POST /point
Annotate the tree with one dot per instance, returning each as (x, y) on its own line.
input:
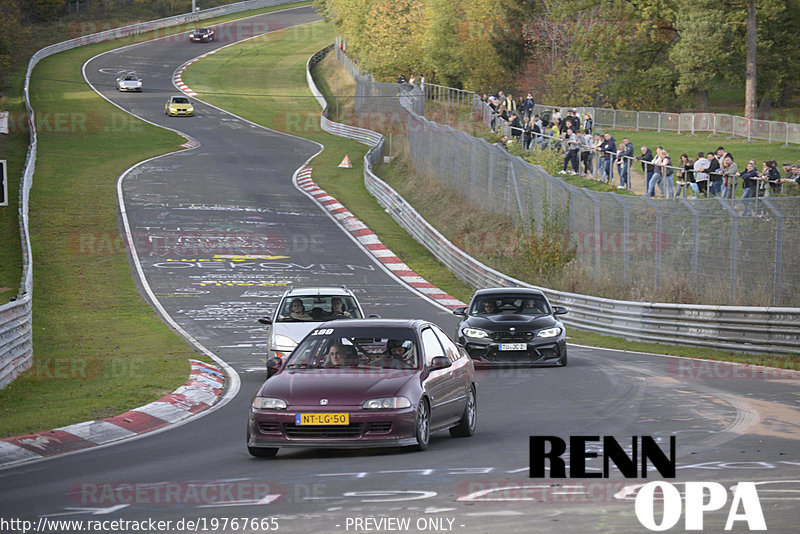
(750, 69)
(12, 34)
(45, 10)
(702, 46)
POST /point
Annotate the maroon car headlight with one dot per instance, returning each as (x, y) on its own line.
(268, 403)
(387, 403)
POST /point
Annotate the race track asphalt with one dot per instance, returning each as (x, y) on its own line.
(233, 195)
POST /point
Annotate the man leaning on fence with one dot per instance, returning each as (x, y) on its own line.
(700, 175)
(624, 156)
(609, 150)
(729, 174)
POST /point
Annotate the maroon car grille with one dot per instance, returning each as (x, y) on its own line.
(379, 428)
(353, 430)
(269, 427)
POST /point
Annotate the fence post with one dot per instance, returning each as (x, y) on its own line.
(734, 248)
(776, 282)
(695, 233)
(472, 174)
(513, 176)
(659, 226)
(490, 179)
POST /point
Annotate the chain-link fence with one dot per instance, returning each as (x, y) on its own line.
(739, 252)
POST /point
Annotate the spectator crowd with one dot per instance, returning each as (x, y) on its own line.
(710, 174)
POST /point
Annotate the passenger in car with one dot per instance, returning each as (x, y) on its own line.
(340, 355)
(298, 311)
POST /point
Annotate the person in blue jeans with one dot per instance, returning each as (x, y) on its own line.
(624, 157)
(609, 150)
(714, 175)
(657, 177)
(669, 174)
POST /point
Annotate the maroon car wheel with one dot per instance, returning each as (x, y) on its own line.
(423, 425)
(466, 426)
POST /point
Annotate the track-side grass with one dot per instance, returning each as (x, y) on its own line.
(99, 349)
(269, 75)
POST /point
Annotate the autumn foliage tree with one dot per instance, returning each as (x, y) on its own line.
(472, 44)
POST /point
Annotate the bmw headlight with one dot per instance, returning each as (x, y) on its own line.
(284, 341)
(549, 332)
(191, 35)
(387, 403)
(268, 403)
(474, 333)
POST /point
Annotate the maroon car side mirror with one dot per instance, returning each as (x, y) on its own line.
(439, 362)
(274, 365)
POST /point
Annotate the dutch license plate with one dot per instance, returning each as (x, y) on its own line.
(513, 346)
(322, 419)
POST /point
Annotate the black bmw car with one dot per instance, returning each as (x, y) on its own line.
(201, 35)
(512, 326)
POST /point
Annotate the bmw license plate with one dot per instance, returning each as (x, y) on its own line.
(513, 346)
(322, 419)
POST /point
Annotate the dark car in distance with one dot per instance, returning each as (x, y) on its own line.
(201, 35)
(361, 383)
(512, 326)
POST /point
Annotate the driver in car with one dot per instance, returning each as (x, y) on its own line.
(397, 356)
(489, 306)
(337, 309)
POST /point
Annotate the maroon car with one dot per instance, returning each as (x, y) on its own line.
(365, 383)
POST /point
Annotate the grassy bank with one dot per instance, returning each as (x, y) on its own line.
(99, 349)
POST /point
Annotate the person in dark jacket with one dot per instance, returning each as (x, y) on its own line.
(527, 106)
(515, 125)
(647, 169)
(749, 182)
(624, 158)
(714, 175)
(609, 149)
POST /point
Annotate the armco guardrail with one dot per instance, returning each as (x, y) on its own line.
(748, 329)
(16, 337)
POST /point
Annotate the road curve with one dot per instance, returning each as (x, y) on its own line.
(233, 195)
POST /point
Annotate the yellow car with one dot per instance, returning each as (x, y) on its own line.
(179, 106)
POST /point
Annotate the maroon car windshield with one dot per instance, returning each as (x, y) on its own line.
(365, 348)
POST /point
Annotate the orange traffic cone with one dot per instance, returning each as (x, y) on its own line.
(346, 163)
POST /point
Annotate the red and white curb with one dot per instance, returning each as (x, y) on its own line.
(201, 391)
(370, 241)
(177, 78)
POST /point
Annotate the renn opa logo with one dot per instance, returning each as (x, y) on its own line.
(700, 497)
